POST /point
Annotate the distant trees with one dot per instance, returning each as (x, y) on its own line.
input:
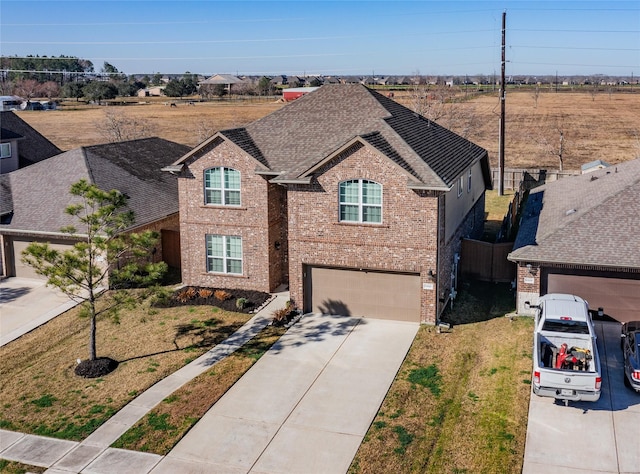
(98, 91)
(208, 91)
(186, 86)
(39, 67)
(73, 90)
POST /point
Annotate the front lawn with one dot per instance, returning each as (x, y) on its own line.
(40, 393)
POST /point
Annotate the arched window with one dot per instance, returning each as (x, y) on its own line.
(222, 186)
(360, 201)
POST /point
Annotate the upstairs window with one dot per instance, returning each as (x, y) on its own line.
(360, 201)
(224, 254)
(222, 186)
(469, 181)
(460, 185)
(5, 150)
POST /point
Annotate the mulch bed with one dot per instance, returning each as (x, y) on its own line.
(223, 298)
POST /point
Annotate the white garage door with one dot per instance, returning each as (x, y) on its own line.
(363, 293)
(619, 297)
(23, 270)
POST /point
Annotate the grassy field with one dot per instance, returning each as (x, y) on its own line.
(602, 126)
(459, 403)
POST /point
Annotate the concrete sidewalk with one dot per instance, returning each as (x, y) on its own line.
(63, 456)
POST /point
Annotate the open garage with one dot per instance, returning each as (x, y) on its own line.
(619, 297)
(355, 292)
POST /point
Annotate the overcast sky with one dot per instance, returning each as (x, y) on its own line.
(331, 38)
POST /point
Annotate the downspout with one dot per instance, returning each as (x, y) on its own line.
(438, 250)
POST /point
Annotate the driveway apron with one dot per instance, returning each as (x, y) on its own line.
(305, 406)
(588, 437)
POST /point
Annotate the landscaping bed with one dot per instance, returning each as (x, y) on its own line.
(243, 301)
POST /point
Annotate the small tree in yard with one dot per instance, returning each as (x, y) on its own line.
(102, 253)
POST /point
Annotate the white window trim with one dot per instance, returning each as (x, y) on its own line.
(222, 187)
(3, 147)
(469, 181)
(225, 258)
(360, 204)
(460, 185)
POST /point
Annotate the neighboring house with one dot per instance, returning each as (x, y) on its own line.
(225, 79)
(355, 201)
(20, 144)
(153, 91)
(34, 199)
(579, 235)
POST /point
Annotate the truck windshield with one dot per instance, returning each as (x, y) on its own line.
(573, 327)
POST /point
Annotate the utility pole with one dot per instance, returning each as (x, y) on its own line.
(502, 111)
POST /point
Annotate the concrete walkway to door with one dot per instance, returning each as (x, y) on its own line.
(305, 406)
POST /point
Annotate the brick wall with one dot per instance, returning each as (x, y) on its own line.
(528, 281)
(170, 222)
(406, 241)
(262, 267)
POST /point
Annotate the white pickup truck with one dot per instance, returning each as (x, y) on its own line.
(566, 365)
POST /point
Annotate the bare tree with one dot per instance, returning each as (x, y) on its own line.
(50, 89)
(118, 127)
(204, 130)
(27, 89)
(535, 94)
(551, 139)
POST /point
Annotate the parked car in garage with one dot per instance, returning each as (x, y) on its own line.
(630, 342)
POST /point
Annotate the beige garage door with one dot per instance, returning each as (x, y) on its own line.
(363, 293)
(26, 271)
(619, 297)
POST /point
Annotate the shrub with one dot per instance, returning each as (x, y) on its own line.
(205, 293)
(222, 295)
(241, 303)
(186, 295)
(280, 315)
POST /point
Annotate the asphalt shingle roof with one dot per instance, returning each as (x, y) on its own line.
(40, 193)
(591, 219)
(34, 147)
(302, 134)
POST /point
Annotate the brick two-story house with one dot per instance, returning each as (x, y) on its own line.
(352, 199)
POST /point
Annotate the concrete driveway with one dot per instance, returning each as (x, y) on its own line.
(600, 437)
(27, 303)
(305, 406)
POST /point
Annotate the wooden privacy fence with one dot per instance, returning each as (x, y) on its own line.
(525, 178)
(486, 261)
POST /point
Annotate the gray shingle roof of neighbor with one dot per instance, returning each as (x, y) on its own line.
(40, 193)
(34, 147)
(295, 138)
(590, 219)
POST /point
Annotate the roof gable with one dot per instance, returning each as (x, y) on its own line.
(299, 136)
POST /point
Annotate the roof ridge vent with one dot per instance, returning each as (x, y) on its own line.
(571, 211)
